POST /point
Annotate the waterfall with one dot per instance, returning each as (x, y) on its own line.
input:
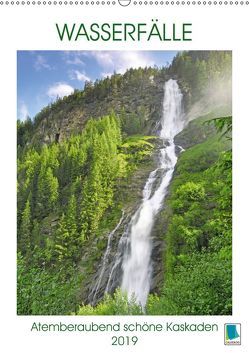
(104, 263)
(137, 268)
(131, 266)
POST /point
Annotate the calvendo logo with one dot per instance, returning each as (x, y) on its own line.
(232, 334)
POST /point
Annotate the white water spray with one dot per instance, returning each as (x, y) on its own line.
(136, 265)
(94, 292)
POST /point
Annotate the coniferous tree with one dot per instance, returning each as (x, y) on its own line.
(25, 231)
(61, 240)
(47, 192)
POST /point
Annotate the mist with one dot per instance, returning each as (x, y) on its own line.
(217, 95)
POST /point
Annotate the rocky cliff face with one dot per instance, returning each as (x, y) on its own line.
(142, 98)
(106, 273)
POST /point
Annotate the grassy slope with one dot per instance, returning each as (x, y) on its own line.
(197, 260)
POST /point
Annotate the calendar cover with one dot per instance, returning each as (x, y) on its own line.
(125, 182)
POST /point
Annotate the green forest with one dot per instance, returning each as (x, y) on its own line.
(84, 159)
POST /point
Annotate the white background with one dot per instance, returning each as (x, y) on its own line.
(33, 28)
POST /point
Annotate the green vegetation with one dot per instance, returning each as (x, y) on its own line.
(66, 199)
(198, 264)
(118, 304)
(76, 174)
(204, 74)
(197, 261)
(46, 291)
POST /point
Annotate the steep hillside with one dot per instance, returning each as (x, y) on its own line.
(195, 227)
(83, 166)
(136, 97)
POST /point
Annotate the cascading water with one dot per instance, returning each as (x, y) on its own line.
(104, 263)
(133, 255)
(136, 265)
